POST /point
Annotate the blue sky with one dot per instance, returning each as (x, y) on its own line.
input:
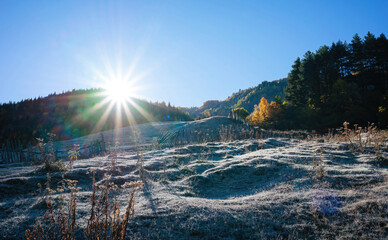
(183, 52)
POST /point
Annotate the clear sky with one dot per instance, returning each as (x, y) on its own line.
(183, 52)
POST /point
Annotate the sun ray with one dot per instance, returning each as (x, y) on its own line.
(120, 84)
(118, 120)
(129, 115)
(103, 118)
(145, 114)
(99, 105)
(80, 116)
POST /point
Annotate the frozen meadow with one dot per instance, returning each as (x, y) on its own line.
(276, 187)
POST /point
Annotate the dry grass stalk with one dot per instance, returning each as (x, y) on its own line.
(318, 168)
(105, 222)
(361, 139)
(139, 154)
(73, 155)
(48, 156)
(56, 224)
(113, 158)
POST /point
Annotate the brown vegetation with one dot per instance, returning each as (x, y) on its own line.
(105, 221)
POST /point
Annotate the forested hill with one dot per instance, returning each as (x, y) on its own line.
(247, 99)
(343, 82)
(74, 114)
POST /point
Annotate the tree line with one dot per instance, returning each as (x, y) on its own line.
(337, 83)
(74, 114)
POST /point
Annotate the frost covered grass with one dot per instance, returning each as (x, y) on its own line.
(105, 220)
(361, 139)
(272, 188)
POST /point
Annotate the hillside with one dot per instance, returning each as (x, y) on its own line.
(268, 188)
(337, 83)
(76, 113)
(247, 99)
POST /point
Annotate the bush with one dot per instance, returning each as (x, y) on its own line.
(242, 113)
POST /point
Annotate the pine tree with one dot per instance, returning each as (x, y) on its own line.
(357, 52)
(295, 86)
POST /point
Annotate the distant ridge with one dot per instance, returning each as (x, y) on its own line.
(247, 99)
(74, 114)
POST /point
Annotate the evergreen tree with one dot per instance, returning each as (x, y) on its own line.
(357, 53)
(338, 83)
(295, 86)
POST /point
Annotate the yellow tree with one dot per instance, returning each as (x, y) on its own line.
(273, 113)
(261, 112)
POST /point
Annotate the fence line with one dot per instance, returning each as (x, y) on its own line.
(13, 151)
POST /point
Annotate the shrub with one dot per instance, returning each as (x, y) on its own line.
(242, 113)
(48, 156)
(73, 155)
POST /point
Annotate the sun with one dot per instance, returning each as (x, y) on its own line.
(118, 91)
